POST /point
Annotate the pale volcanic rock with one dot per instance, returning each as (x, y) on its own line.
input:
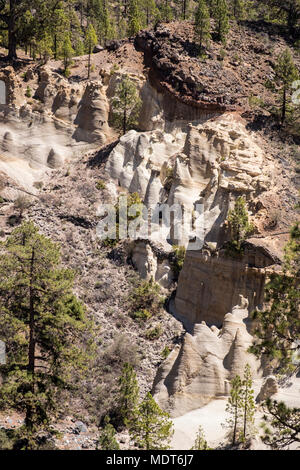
(268, 389)
(149, 264)
(207, 360)
(92, 116)
(61, 122)
(13, 87)
(209, 164)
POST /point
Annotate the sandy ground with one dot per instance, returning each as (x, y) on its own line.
(212, 416)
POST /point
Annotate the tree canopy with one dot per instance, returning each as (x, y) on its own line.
(43, 324)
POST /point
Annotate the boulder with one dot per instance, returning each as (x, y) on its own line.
(268, 389)
(80, 427)
(97, 49)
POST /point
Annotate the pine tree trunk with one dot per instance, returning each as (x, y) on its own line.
(245, 412)
(81, 13)
(125, 115)
(12, 40)
(235, 426)
(283, 114)
(291, 20)
(89, 62)
(31, 347)
(147, 433)
(12, 45)
(124, 120)
(55, 46)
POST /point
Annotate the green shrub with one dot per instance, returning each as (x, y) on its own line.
(165, 352)
(143, 315)
(239, 225)
(169, 179)
(100, 185)
(154, 333)
(114, 69)
(255, 102)
(145, 300)
(6, 439)
(132, 199)
(222, 54)
(38, 184)
(178, 259)
(28, 92)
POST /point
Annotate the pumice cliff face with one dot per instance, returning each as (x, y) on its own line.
(209, 163)
(58, 122)
(201, 368)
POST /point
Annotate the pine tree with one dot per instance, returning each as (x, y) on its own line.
(108, 25)
(43, 325)
(289, 9)
(281, 424)
(200, 442)
(166, 13)
(248, 401)
(45, 48)
(79, 48)
(90, 42)
(104, 21)
(150, 11)
(278, 326)
(202, 23)
(58, 26)
(238, 221)
(220, 15)
(151, 428)
(238, 9)
(68, 53)
(277, 335)
(12, 16)
(128, 393)
(125, 104)
(287, 73)
(234, 407)
(134, 18)
(184, 9)
(107, 439)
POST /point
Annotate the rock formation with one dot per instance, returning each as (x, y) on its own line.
(166, 54)
(200, 369)
(61, 121)
(268, 389)
(211, 283)
(151, 262)
(207, 164)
